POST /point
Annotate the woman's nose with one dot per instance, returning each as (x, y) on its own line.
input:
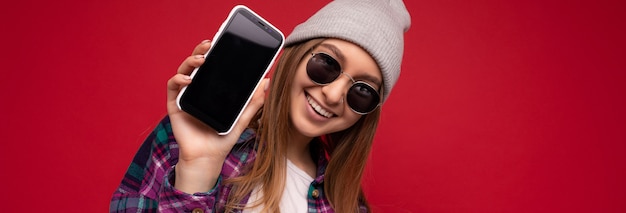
(335, 92)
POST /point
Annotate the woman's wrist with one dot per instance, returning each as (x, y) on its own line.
(198, 175)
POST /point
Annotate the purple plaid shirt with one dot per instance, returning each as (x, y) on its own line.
(148, 184)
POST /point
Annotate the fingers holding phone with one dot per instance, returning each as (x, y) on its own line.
(196, 59)
(182, 79)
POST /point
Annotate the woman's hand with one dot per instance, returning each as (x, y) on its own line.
(201, 150)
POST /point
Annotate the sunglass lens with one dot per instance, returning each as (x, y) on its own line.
(323, 68)
(362, 98)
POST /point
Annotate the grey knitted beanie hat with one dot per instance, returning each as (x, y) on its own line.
(377, 26)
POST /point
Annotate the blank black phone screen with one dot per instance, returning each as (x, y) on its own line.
(235, 64)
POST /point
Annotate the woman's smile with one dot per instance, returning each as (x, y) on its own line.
(318, 108)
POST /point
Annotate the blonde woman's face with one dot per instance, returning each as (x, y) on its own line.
(321, 109)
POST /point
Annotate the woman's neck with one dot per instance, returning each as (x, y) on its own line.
(299, 153)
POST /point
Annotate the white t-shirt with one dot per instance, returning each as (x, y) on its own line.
(294, 199)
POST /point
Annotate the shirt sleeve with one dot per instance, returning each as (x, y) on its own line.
(147, 185)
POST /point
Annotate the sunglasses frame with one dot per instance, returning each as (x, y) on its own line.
(354, 82)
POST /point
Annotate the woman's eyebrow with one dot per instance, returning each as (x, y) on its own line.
(335, 51)
(373, 80)
(342, 58)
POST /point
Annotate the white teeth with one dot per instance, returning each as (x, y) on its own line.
(318, 108)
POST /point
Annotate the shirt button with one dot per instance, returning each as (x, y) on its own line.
(315, 193)
(197, 210)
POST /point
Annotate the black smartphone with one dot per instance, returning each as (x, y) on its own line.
(242, 52)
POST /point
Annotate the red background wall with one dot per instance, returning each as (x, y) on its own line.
(503, 106)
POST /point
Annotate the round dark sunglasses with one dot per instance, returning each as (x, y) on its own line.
(323, 69)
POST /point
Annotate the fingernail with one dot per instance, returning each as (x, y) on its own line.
(186, 77)
(205, 41)
(198, 56)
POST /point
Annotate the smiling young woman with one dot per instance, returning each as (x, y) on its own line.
(303, 148)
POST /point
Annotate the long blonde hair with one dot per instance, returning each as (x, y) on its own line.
(348, 150)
